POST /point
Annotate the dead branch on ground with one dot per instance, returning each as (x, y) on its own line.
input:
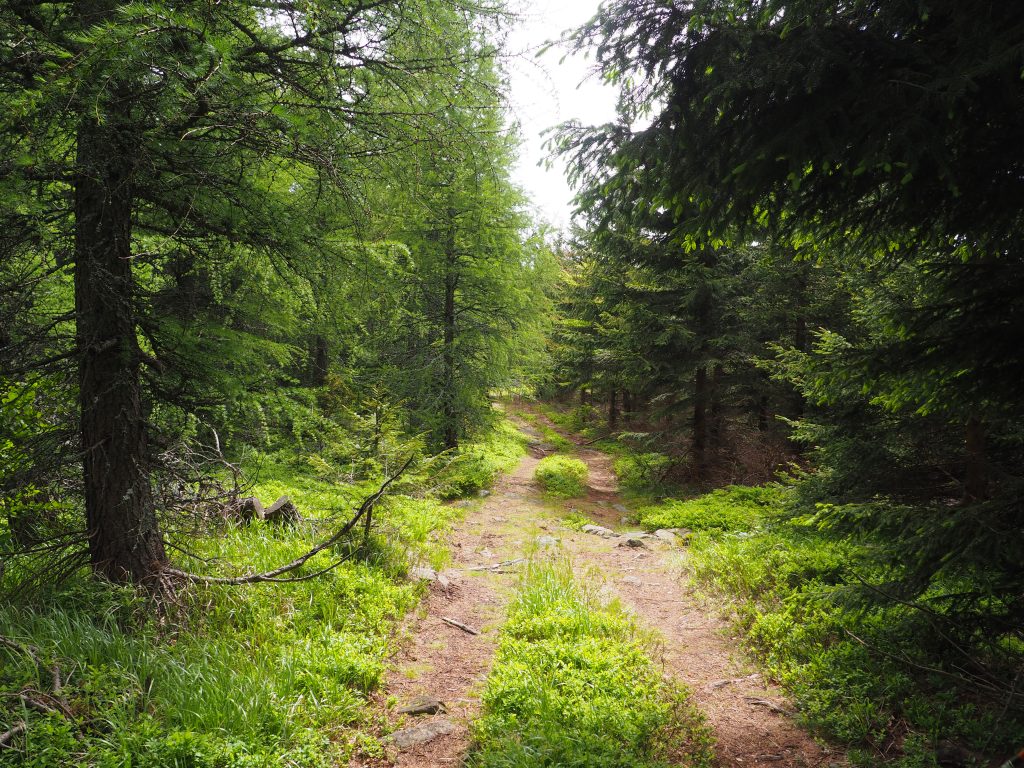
(274, 575)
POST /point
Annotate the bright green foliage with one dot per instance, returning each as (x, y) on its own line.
(575, 520)
(562, 476)
(733, 508)
(855, 671)
(550, 437)
(807, 201)
(321, 199)
(573, 686)
(641, 472)
(265, 675)
(476, 465)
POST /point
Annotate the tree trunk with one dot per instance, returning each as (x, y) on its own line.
(763, 414)
(613, 414)
(798, 403)
(449, 415)
(717, 430)
(125, 544)
(700, 421)
(318, 361)
(975, 464)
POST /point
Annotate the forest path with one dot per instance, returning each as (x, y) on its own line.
(748, 716)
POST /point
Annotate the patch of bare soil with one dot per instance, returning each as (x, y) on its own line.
(750, 717)
(442, 661)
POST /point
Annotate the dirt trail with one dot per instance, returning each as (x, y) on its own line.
(749, 718)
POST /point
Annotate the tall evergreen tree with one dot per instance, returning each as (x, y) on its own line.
(135, 135)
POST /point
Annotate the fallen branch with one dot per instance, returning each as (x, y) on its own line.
(15, 730)
(29, 650)
(769, 705)
(497, 566)
(460, 625)
(273, 576)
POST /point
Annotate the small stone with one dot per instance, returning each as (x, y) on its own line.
(666, 535)
(546, 541)
(633, 542)
(422, 705)
(422, 573)
(631, 580)
(483, 493)
(421, 734)
(598, 530)
(283, 512)
(620, 508)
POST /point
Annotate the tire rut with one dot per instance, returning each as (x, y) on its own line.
(748, 715)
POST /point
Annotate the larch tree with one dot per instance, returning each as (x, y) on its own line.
(134, 134)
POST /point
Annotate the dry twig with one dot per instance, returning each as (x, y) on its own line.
(459, 625)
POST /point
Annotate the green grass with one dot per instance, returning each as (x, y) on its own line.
(856, 670)
(584, 419)
(573, 685)
(478, 464)
(257, 676)
(733, 508)
(575, 520)
(547, 434)
(562, 476)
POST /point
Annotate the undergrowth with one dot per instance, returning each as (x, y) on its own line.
(562, 476)
(256, 676)
(550, 437)
(573, 685)
(733, 508)
(478, 464)
(875, 676)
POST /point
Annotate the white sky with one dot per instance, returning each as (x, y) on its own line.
(546, 91)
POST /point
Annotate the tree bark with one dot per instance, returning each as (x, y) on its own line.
(700, 421)
(318, 361)
(449, 415)
(125, 544)
(762, 413)
(717, 426)
(613, 409)
(798, 403)
(975, 463)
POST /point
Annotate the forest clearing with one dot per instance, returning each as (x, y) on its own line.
(326, 441)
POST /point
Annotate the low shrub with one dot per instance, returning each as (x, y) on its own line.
(641, 472)
(573, 685)
(478, 464)
(865, 673)
(733, 508)
(562, 476)
(262, 675)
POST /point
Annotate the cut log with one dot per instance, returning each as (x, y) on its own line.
(244, 510)
(282, 512)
